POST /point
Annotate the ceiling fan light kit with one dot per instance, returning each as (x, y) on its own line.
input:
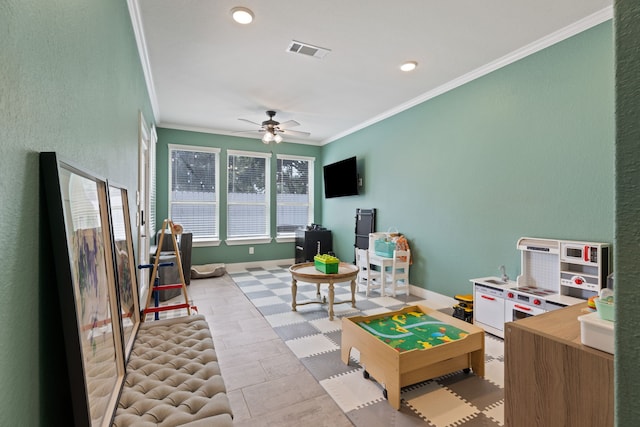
(242, 15)
(267, 137)
(273, 129)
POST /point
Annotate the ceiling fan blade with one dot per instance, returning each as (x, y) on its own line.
(253, 123)
(294, 132)
(289, 124)
(248, 131)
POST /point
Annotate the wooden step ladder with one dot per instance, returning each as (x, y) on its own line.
(167, 224)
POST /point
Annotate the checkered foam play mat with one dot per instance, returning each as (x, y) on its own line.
(457, 399)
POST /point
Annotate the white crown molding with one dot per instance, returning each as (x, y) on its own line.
(228, 133)
(549, 40)
(136, 22)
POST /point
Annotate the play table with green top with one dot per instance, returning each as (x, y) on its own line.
(411, 345)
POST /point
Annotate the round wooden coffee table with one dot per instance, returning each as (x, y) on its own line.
(306, 272)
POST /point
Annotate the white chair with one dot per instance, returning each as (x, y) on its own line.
(398, 277)
(366, 276)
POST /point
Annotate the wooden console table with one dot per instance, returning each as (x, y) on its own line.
(306, 272)
(551, 378)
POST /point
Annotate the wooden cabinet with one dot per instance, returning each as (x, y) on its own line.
(551, 379)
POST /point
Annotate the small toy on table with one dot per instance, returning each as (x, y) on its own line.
(326, 263)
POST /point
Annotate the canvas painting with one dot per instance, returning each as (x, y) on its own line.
(124, 265)
(82, 249)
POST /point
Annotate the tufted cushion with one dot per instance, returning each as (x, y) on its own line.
(173, 377)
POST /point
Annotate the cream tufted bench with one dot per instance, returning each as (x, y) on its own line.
(173, 378)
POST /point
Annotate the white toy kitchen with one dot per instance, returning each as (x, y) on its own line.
(554, 274)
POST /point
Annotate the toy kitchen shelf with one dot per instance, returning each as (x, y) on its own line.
(571, 268)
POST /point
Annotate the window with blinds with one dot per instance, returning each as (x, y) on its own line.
(193, 193)
(294, 186)
(247, 194)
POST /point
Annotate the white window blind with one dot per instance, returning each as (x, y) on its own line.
(294, 193)
(193, 192)
(247, 194)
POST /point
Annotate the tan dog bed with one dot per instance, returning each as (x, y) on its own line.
(207, 270)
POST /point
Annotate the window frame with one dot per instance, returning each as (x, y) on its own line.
(199, 241)
(289, 236)
(256, 239)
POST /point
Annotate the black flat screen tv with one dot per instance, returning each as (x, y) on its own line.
(341, 178)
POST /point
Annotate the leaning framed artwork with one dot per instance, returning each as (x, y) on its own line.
(77, 207)
(124, 264)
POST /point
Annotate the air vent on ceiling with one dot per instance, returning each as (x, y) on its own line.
(307, 49)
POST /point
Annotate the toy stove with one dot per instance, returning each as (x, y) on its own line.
(535, 291)
(540, 275)
(528, 296)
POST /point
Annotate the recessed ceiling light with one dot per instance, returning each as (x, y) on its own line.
(409, 66)
(242, 15)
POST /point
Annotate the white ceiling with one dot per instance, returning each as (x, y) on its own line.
(205, 71)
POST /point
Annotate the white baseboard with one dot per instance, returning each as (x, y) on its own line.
(239, 266)
(435, 299)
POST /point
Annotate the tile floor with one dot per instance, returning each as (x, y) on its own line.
(283, 368)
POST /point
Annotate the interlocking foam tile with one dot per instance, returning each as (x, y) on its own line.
(275, 309)
(326, 365)
(472, 389)
(373, 311)
(438, 405)
(308, 346)
(296, 330)
(325, 325)
(271, 281)
(457, 399)
(385, 301)
(254, 288)
(281, 291)
(493, 346)
(351, 391)
(286, 318)
(344, 310)
(496, 412)
(494, 372)
(271, 300)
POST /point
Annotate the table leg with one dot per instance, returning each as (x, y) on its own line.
(331, 294)
(294, 291)
(393, 394)
(318, 290)
(353, 293)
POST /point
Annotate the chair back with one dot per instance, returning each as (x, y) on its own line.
(362, 261)
(400, 270)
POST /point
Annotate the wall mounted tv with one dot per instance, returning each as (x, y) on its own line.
(341, 178)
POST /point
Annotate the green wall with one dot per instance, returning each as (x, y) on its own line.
(240, 253)
(71, 82)
(511, 154)
(627, 242)
(526, 150)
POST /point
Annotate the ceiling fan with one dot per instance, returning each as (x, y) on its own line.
(273, 129)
